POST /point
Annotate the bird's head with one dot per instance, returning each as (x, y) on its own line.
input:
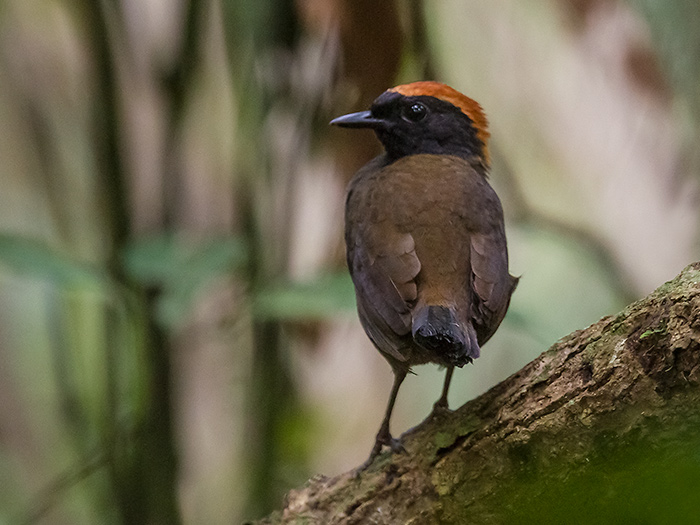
(425, 117)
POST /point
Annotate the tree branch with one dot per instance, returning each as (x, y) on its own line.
(602, 427)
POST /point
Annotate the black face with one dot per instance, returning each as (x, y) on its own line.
(422, 124)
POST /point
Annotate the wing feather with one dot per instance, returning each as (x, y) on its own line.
(491, 283)
(384, 266)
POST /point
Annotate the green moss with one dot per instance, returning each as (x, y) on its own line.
(692, 275)
(443, 439)
(661, 330)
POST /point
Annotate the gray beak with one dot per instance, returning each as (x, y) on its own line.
(361, 119)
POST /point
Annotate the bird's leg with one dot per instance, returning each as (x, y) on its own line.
(442, 404)
(384, 436)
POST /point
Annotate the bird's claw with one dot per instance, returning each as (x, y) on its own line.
(440, 408)
(396, 446)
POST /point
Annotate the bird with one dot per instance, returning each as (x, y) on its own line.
(425, 237)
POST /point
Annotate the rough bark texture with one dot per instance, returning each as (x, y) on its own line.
(603, 427)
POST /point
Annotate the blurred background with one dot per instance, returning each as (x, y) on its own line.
(178, 336)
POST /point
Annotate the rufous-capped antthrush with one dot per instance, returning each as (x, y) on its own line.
(426, 245)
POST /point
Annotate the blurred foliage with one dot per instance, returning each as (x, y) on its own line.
(173, 298)
(327, 295)
(31, 258)
(678, 44)
(179, 270)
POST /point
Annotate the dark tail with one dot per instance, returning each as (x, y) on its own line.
(436, 329)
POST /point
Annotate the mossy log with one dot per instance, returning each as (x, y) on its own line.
(604, 427)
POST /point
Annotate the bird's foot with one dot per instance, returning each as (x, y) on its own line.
(394, 445)
(440, 408)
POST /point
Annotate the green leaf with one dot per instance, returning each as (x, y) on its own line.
(180, 268)
(320, 298)
(153, 261)
(36, 259)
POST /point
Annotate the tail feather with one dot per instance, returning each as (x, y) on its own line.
(437, 329)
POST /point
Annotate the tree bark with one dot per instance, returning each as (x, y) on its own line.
(603, 427)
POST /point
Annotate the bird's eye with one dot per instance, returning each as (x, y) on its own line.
(415, 112)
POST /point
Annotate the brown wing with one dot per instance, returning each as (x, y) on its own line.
(383, 264)
(492, 283)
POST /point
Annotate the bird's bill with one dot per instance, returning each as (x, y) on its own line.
(361, 119)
